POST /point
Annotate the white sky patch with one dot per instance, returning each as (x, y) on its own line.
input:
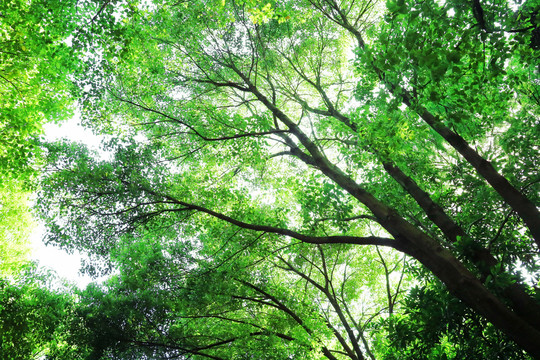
(73, 130)
(66, 265)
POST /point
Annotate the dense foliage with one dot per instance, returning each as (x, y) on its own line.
(34, 316)
(16, 225)
(303, 179)
(171, 300)
(35, 63)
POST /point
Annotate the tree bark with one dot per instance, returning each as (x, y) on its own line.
(517, 201)
(523, 304)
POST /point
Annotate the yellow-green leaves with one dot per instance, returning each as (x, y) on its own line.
(16, 226)
(34, 63)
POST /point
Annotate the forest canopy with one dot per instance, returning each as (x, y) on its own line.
(299, 179)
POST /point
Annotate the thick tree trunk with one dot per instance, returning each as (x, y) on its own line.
(517, 201)
(472, 292)
(458, 279)
(523, 304)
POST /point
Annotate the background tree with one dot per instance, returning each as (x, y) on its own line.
(269, 300)
(34, 313)
(257, 117)
(39, 48)
(33, 67)
(40, 43)
(35, 63)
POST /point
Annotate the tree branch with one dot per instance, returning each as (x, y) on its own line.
(336, 239)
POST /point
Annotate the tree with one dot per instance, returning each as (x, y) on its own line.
(269, 300)
(39, 50)
(35, 65)
(33, 316)
(42, 43)
(258, 118)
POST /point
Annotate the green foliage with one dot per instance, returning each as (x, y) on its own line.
(249, 159)
(33, 317)
(35, 64)
(171, 298)
(16, 226)
(434, 325)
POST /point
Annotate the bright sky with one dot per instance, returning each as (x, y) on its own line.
(66, 265)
